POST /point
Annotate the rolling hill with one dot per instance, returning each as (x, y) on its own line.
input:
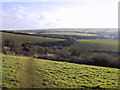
(27, 38)
(71, 33)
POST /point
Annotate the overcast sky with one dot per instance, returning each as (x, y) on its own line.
(80, 14)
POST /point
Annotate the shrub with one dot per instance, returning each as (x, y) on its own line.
(13, 45)
(80, 60)
(103, 60)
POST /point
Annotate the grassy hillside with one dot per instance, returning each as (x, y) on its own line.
(97, 44)
(71, 33)
(26, 72)
(27, 38)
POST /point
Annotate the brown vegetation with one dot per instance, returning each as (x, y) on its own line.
(55, 51)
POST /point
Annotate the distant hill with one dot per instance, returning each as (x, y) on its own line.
(102, 32)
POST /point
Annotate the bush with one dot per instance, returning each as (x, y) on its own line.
(79, 60)
(13, 45)
(29, 50)
(103, 60)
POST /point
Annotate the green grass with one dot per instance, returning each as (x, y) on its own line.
(27, 38)
(97, 44)
(26, 72)
(71, 33)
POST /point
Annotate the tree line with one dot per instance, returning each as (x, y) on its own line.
(55, 51)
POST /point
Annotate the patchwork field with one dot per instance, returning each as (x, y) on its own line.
(71, 33)
(27, 38)
(27, 72)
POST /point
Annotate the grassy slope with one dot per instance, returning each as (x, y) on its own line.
(97, 44)
(71, 33)
(100, 44)
(26, 38)
(26, 72)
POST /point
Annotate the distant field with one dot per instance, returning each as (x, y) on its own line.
(71, 33)
(26, 72)
(37, 30)
(27, 38)
(97, 44)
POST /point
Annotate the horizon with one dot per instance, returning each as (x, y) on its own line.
(57, 29)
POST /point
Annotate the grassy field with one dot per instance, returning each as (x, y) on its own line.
(26, 72)
(97, 44)
(27, 38)
(88, 44)
(71, 33)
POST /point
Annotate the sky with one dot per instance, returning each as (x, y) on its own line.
(62, 14)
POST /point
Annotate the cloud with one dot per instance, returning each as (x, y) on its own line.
(20, 18)
(75, 16)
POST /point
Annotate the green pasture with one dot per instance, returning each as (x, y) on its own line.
(27, 72)
(96, 44)
(27, 38)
